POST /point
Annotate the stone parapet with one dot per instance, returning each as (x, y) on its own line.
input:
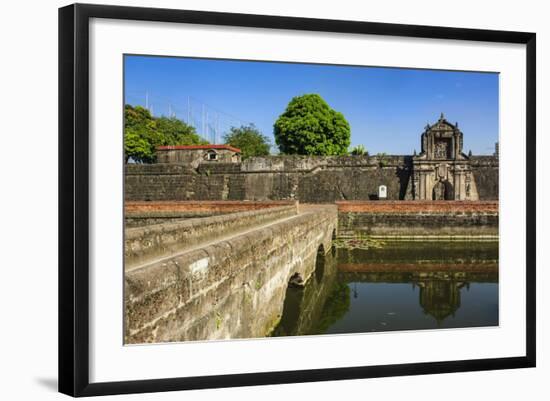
(231, 288)
(145, 244)
(131, 207)
(430, 207)
(419, 219)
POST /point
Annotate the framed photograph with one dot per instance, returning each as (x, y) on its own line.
(251, 199)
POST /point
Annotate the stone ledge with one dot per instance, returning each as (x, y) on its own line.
(185, 297)
(417, 206)
(200, 206)
(144, 244)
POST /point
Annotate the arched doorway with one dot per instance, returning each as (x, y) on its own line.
(443, 190)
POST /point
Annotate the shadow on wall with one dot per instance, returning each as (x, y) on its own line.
(403, 174)
(320, 262)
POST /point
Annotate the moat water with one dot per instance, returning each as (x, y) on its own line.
(399, 286)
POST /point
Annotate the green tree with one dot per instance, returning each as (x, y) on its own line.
(359, 150)
(249, 140)
(176, 132)
(141, 135)
(144, 132)
(309, 126)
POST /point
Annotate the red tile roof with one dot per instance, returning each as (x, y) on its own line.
(178, 147)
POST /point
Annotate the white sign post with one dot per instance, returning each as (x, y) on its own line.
(382, 192)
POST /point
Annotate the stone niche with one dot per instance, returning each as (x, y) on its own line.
(441, 171)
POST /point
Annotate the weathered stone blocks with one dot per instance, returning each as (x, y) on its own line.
(419, 218)
(144, 244)
(309, 179)
(233, 288)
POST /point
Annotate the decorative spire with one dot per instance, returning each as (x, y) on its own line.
(456, 124)
(442, 117)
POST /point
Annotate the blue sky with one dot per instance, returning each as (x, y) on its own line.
(387, 108)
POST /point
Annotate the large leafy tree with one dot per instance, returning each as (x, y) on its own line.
(249, 139)
(176, 132)
(309, 126)
(143, 133)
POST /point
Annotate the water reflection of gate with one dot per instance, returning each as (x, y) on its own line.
(318, 305)
(440, 298)
(439, 294)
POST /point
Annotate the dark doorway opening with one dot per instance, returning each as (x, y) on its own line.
(443, 190)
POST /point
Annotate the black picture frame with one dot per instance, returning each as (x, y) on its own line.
(74, 198)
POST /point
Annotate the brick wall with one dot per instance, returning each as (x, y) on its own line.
(202, 206)
(418, 218)
(414, 207)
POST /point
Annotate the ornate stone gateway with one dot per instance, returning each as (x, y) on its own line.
(441, 171)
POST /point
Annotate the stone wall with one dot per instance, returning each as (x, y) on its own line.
(408, 219)
(309, 179)
(485, 170)
(141, 213)
(194, 155)
(144, 244)
(172, 182)
(233, 288)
